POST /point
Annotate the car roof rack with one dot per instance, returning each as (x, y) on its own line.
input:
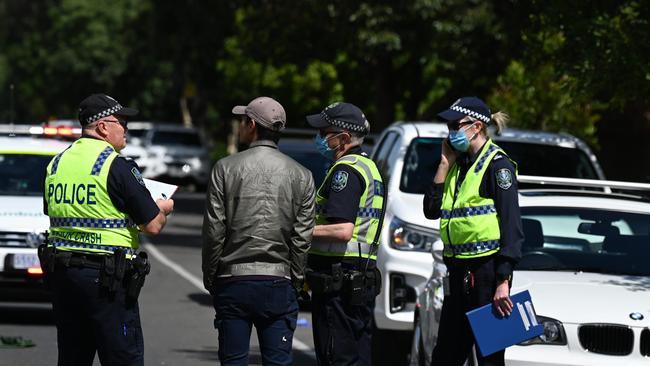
(606, 185)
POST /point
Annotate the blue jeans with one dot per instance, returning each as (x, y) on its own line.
(270, 305)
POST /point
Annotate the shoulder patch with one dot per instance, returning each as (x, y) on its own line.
(504, 178)
(497, 157)
(138, 176)
(339, 181)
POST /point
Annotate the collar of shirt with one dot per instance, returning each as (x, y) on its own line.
(466, 159)
(356, 150)
(268, 143)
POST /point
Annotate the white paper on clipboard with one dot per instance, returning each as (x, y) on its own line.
(159, 189)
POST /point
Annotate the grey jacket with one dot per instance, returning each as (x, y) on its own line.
(259, 216)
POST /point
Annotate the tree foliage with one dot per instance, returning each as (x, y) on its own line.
(553, 65)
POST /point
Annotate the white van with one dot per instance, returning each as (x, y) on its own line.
(407, 156)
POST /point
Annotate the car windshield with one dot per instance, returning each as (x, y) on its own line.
(176, 138)
(22, 174)
(304, 152)
(549, 160)
(588, 240)
(423, 156)
(139, 133)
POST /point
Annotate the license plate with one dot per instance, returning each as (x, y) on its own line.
(25, 260)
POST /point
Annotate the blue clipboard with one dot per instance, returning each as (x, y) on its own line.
(494, 333)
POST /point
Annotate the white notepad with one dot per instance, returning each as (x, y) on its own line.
(159, 189)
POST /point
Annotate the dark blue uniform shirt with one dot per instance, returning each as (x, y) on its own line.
(127, 193)
(506, 202)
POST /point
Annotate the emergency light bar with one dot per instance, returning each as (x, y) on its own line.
(605, 184)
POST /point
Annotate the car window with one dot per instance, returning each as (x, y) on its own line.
(589, 240)
(175, 138)
(383, 149)
(22, 174)
(549, 161)
(420, 164)
(136, 133)
(305, 153)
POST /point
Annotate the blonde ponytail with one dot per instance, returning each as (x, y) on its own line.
(500, 120)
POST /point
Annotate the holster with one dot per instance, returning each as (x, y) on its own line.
(140, 269)
(46, 255)
(324, 283)
(111, 275)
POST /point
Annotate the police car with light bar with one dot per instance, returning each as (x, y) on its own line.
(22, 223)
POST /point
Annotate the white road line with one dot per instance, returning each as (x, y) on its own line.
(151, 249)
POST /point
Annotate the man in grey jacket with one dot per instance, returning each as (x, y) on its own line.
(257, 229)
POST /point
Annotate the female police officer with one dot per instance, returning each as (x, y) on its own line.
(474, 193)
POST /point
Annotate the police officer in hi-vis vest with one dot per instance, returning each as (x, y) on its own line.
(341, 272)
(474, 193)
(98, 204)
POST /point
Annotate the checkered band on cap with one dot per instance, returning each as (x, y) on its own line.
(344, 125)
(470, 113)
(104, 113)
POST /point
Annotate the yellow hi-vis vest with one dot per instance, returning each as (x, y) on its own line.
(366, 224)
(469, 226)
(82, 216)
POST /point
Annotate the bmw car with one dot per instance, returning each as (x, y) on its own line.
(586, 265)
(22, 223)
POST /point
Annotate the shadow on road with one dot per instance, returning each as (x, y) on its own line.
(186, 240)
(26, 315)
(201, 298)
(254, 357)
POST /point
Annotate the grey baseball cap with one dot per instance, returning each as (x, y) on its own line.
(265, 111)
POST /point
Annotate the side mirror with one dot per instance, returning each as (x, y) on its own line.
(436, 249)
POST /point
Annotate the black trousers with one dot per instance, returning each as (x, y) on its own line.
(89, 320)
(455, 338)
(342, 332)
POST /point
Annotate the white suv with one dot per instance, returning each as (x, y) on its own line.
(407, 155)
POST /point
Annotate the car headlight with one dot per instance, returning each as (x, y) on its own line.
(35, 239)
(410, 237)
(553, 333)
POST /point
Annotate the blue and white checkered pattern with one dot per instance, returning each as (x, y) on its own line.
(101, 159)
(90, 222)
(105, 113)
(379, 188)
(471, 248)
(485, 155)
(55, 163)
(60, 243)
(471, 113)
(468, 211)
(345, 125)
(369, 212)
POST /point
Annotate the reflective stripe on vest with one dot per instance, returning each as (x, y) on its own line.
(366, 224)
(80, 209)
(87, 222)
(75, 246)
(469, 226)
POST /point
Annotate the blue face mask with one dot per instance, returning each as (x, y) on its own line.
(323, 148)
(458, 140)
